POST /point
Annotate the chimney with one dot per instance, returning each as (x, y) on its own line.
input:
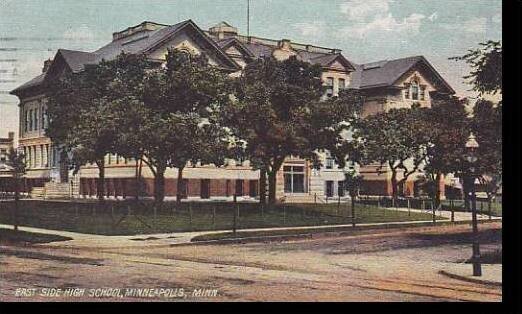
(223, 30)
(285, 44)
(47, 65)
(10, 135)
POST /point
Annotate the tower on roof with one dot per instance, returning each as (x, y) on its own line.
(223, 30)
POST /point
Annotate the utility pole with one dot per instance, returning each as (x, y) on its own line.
(248, 18)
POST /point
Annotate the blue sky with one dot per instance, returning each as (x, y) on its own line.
(366, 30)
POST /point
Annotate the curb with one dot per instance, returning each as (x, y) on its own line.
(317, 232)
(473, 280)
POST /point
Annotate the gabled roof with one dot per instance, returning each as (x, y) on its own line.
(32, 83)
(224, 44)
(386, 73)
(327, 60)
(144, 41)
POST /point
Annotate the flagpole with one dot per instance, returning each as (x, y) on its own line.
(248, 18)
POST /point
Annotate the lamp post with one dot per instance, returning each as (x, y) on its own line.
(471, 158)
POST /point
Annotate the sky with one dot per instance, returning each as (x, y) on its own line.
(31, 31)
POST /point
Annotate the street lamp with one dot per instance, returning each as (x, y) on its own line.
(471, 158)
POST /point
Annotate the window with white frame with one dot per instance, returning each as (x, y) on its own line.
(329, 86)
(414, 90)
(342, 84)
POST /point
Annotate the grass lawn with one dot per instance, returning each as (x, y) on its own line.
(127, 218)
(9, 236)
(482, 207)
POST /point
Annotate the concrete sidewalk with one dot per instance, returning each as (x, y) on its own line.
(491, 273)
(164, 239)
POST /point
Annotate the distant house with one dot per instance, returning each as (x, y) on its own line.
(388, 84)
(6, 144)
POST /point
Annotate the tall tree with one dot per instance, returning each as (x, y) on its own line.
(278, 113)
(486, 124)
(177, 108)
(396, 140)
(486, 67)
(16, 163)
(81, 117)
(447, 125)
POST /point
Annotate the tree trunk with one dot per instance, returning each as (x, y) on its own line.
(394, 184)
(262, 186)
(16, 205)
(180, 186)
(272, 181)
(465, 192)
(159, 185)
(137, 182)
(100, 188)
(436, 189)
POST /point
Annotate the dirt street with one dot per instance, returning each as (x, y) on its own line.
(385, 266)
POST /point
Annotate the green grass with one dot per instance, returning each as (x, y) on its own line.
(482, 207)
(9, 236)
(115, 218)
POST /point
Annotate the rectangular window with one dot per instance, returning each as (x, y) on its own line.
(3, 155)
(423, 93)
(253, 188)
(239, 187)
(42, 161)
(329, 86)
(407, 91)
(415, 92)
(30, 119)
(342, 84)
(29, 157)
(205, 189)
(227, 188)
(329, 188)
(294, 178)
(44, 120)
(35, 119)
(341, 189)
(329, 163)
(26, 121)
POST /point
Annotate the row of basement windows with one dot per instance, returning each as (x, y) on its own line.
(238, 189)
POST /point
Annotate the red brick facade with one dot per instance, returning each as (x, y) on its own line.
(126, 187)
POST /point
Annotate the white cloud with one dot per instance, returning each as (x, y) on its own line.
(370, 17)
(474, 25)
(80, 34)
(313, 30)
(497, 18)
(433, 17)
(361, 10)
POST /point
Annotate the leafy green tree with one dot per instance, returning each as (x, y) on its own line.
(173, 122)
(487, 127)
(396, 140)
(81, 117)
(447, 125)
(16, 163)
(279, 113)
(486, 67)
(93, 138)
